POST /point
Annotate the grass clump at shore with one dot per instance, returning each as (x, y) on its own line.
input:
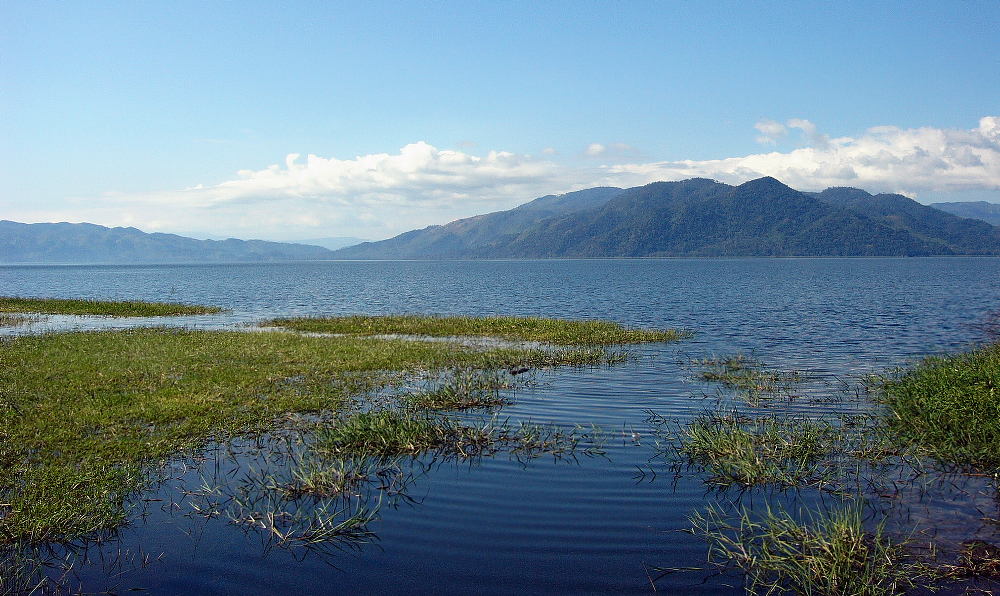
(949, 408)
(829, 553)
(552, 331)
(9, 320)
(63, 306)
(740, 450)
(83, 415)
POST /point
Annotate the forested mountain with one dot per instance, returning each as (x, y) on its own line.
(89, 243)
(700, 217)
(461, 238)
(988, 212)
(696, 217)
(950, 234)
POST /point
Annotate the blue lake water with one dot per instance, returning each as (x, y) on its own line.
(593, 524)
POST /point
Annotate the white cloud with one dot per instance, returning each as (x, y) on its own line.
(770, 131)
(611, 150)
(367, 196)
(884, 158)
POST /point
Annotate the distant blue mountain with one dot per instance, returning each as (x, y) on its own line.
(697, 217)
(981, 210)
(89, 243)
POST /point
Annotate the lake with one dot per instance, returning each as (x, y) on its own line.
(593, 523)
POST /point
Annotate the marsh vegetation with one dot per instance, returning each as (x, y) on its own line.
(129, 308)
(9, 320)
(549, 331)
(916, 435)
(948, 407)
(86, 418)
(802, 500)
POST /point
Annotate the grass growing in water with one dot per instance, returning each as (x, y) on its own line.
(465, 389)
(746, 451)
(552, 331)
(830, 553)
(949, 407)
(748, 375)
(8, 320)
(82, 415)
(62, 306)
(391, 432)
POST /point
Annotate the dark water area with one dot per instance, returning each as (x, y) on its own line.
(577, 525)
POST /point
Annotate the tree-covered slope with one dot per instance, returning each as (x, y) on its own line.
(704, 218)
(950, 233)
(461, 238)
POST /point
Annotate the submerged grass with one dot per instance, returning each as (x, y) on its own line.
(62, 306)
(83, 415)
(824, 553)
(552, 331)
(949, 408)
(748, 375)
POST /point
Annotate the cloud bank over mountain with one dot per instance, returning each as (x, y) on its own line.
(885, 158)
(378, 195)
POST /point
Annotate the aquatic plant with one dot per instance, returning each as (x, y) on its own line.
(748, 451)
(131, 308)
(829, 553)
(552, 331)
(949, 408)
(395, 432)
(8, 320)
(463, 389)
(756, 382)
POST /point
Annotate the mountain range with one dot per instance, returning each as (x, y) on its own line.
(89, 243)
(697, 217)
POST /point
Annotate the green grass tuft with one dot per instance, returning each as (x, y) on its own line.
(552, 331)
(62, 306)
(392, 432)
(465, 389)
(747, 375)
(746, 451)
(949, 407)
(830, 553)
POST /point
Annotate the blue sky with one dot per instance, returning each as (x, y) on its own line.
(181, 116)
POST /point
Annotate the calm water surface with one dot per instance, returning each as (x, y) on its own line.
(498, 525)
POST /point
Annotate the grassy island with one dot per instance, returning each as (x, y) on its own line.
(552, 331)
(63, 306)
(85, 415)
